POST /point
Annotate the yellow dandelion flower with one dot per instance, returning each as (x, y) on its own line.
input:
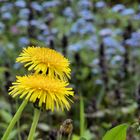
(45, 60)
(49, 93)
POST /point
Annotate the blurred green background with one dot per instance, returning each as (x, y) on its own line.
(102, 41)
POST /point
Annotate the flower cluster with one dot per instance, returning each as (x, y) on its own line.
(48, 85)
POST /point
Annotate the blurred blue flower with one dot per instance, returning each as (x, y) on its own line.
(84, 4)
(75, 47)
(50, 4)
(92, 43)
(131, 42)
(135, 53)
(100, 4)
(36, 6)
(22, 23)
(136, 35)
(112, 45)
(134, 41)
(82, 27)
(41, 37)
(96, 71)
(2, 49)
(49, 17)
(39, 24)
(87, 29)
(128, 11)
(86, 14)
(139, 7)
(109, 52)
(43, 26)
(116, 59)
(118, 31)
(95, 61)
(6, 15)
(111, 21)
(113, 51)
(10, 46)
(68, 12)
(2, 27)
(99, 82)
(16, 66)
(54, 31)
(105, 32)
(34, 22)
(20, 3)
(46, 39)
(136, 17)
(118, 8)
(111, 42)
(23, 41)
(46, 32)
(24, 13)
(6, 7)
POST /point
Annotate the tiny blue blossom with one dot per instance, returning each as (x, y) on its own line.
(84, 4)
(68, 12)
(128, 11)
(118, 8)
(23, 41)
(24, 13)
(36, 6)
(105, 32)
(100, 4)
(2, 27)
(7, 15)
(75, 47)
(20, 3)
(50, 4)
(86, 14)
(22, 23)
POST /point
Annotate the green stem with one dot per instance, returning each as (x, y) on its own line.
(82, 116)
(100, 97)
(18, 128)
(14, 120)
(18, 122)
(34, 124)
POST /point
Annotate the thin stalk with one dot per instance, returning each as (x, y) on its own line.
(14, 120)
(100, 96)
(34, 124)
(18, 128)
(18, 121)
(82, 117)
(59, 136)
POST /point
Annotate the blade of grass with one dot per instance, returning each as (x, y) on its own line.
(82, 117)
(100, 97)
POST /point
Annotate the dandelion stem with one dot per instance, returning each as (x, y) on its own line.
(34, 124)
(14, 120)
(18, 122)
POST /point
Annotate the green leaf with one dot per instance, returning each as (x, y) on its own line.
(88, 135)
(6, 116)
(83, 138)
(75, 137)
(116, 133)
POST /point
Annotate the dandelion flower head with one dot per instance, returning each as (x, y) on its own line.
(50, 93)
(45, 60)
